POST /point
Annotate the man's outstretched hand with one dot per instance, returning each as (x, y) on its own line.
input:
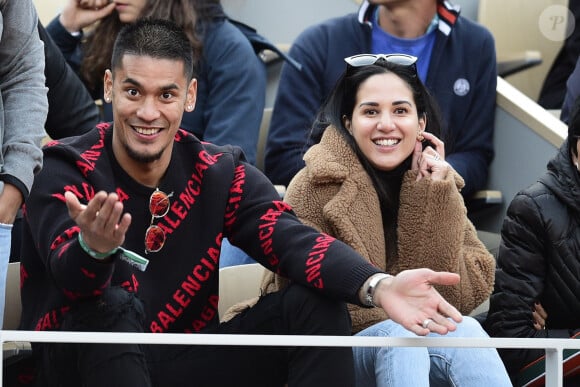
(410, 299)
(102, 222)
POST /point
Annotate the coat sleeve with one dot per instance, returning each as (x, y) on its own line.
(434, 232)
(269, 231)
(473, 136)
(298, 99)
(24, 101)
(236, 78)
(308, 203)
(54, 232)
(73, 111)
(69, 45)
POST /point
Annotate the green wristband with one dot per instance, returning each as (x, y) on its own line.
(93, 253)
(126, 255)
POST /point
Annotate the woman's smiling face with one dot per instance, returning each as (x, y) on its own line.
(385, 122)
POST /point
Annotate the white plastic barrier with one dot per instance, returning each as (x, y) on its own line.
(554, 347)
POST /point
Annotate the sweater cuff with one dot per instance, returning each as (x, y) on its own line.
(59, 33)
(9, 179)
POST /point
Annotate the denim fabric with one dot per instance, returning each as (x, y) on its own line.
(232, 256)
(418, 366)
(5, 243)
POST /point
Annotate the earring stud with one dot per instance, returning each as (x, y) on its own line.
(420, 136)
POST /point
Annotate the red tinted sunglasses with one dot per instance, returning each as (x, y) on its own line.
(158, 207)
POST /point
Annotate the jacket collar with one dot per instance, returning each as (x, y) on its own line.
(447, 12)
(332, 160)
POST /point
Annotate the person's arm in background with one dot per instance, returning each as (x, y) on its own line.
(236, 78)
(299, 96)
(71, 111)
(471, 150)
(72, 20)
(24, 104)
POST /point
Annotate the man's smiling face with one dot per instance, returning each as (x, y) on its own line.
(149, 96)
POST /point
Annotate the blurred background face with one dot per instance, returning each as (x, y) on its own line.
(384, 121)
(130, 10)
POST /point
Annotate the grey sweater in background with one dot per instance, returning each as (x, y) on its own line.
(24, 105)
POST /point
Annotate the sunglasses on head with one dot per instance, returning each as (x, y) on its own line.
(370, 59)
(158, 207)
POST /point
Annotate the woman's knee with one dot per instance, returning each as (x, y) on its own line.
(469, 327)
(386, 328)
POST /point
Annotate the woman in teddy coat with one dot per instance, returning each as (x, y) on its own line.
(377, 180)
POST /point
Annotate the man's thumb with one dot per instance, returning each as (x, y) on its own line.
(72, 203)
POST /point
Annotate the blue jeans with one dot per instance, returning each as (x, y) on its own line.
(418, 366)
(5, 243)
(232, 256)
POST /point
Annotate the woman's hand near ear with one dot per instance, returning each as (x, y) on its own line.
(430, 162)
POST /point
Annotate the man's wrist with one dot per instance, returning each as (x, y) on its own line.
(93, 253)
(369, 288)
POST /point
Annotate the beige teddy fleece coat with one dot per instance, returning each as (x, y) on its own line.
(334, 194)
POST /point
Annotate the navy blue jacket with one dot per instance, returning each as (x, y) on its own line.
(231, 88)
(462, 50)
(71, 110)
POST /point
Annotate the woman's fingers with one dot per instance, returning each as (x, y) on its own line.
(438, 145)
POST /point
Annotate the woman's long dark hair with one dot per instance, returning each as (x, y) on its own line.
(188, 14)
(341, 103)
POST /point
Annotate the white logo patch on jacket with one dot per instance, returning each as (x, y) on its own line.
(461, 87)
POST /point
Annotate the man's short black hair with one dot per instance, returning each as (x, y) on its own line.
(156, 38)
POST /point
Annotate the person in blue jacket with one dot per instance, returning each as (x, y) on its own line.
(232, 78)
(456, 61)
